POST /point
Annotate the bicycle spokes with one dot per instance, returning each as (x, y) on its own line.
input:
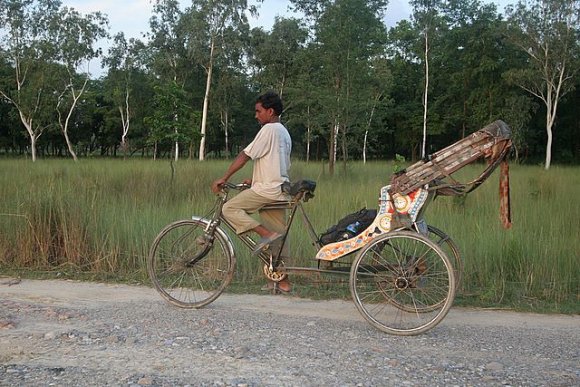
(188, 266)
(402, 283)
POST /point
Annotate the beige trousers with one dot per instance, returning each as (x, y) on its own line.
(237, 212)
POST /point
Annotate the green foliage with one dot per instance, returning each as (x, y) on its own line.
(398, 165)
(276, 55)
(547, 33)
(173, 118)
(349, 35)
(99, 217)
(352, 88)
(38, 38)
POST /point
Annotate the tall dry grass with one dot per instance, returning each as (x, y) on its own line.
(100, 216)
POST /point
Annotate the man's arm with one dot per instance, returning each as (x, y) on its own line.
(241, 159)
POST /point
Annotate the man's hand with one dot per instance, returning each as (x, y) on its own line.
(216, 185)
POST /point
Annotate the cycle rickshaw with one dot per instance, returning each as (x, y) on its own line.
(403, 273)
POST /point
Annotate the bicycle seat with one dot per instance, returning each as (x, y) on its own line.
(301, 186)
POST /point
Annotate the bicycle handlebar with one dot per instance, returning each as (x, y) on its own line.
(240, 187)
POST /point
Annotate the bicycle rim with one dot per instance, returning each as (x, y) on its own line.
(402, 283)
(189, 268)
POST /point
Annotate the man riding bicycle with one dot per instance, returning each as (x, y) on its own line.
(270, 151)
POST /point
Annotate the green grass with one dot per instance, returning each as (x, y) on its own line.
(96, 219)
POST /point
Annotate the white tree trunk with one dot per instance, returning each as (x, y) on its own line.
(34, 134)
(206, 102)
(335, 139)
(176, 148)
(553, 95)
(365, 146)
(424, 145)
(308, 135)
(70, 147)
(333, 143)
(64, 125)
(375, 102)
(33, 138)
(551, 100)
(225, 118)
(125, 120)
(548, 147)
(26, 121)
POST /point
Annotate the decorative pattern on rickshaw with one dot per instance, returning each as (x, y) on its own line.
(405, 204)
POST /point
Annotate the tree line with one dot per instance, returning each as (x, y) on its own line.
(353, 88)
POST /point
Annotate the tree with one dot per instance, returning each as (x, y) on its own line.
(405, 114)
(227, 100)
(304, 113)
(11, 139)
(39, 38)
(74, 38)
(169, 59)
(348, 34)
(547, 31)
(275, 54)
(216, 25)
(426, 16)
(123, 62)
(469, 53)
(27, 44)
(472, 54)
(170, 102)
(379, 86)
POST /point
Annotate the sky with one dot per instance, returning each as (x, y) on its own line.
(132, 16)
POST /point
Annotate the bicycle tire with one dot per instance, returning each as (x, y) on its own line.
(402, 283)
(450, 248)
(189, 267)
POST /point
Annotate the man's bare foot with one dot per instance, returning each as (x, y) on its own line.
(283, 286)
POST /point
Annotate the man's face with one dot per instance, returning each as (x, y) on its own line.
(263, 115)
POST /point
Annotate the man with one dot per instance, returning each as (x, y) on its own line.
(270, 151)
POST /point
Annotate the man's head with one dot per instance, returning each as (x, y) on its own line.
(268, 108)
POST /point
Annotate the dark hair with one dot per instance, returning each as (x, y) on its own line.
(272, 100)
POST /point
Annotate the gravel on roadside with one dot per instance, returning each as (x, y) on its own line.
(125, 335)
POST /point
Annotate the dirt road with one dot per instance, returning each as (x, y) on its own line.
(74, 333)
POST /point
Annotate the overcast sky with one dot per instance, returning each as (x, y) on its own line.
(132, 16)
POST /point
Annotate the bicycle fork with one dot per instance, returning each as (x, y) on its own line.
(205, 241)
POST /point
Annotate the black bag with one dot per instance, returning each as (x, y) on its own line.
(349, 226)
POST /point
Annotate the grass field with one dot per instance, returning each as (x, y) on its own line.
(97, 218)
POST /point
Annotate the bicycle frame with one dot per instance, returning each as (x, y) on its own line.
(191, 262)
(294, 205)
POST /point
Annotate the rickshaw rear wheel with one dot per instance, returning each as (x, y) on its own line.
(402, 283)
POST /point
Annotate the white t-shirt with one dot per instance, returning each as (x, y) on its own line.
(270, 151)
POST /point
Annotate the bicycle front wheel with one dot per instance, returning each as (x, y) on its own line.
(189, 267)
(402, 283)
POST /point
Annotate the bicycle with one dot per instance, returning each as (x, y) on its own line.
(403, 273)
(401, 281)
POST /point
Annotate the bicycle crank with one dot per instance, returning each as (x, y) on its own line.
(275, 275)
